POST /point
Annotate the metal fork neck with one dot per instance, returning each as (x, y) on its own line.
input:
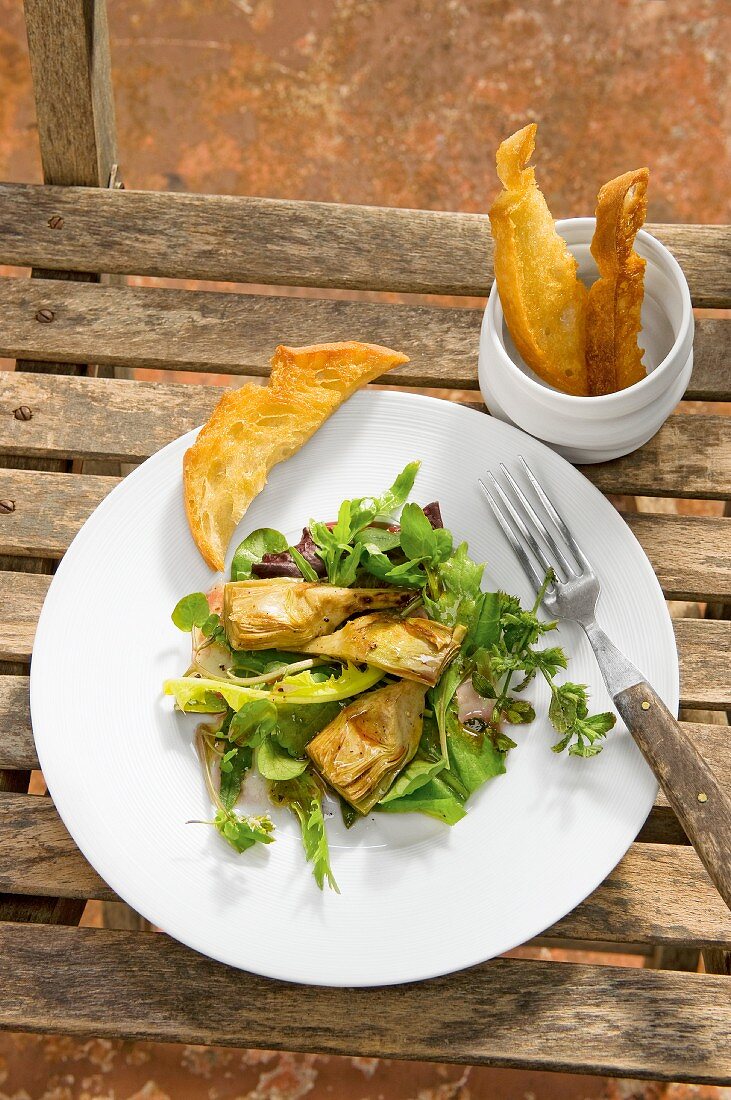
(619, 673)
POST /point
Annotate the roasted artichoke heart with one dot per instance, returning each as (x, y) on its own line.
(363, 749)
(414, 648)
(283, 613)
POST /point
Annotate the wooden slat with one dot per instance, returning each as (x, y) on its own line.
(227, 333)
(539, 1015)
(704, 649)
(275, 241)
(711, 379)
(48, 510)
(657, 894)
(68, 43)
(689, 553)
(113, 419)
(237, 333)
(17, 747)
(689, 457)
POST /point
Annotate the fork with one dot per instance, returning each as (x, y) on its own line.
(701, 804)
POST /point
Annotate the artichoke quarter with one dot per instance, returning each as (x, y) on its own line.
(283, 613)
(361, 751)
(414, 648)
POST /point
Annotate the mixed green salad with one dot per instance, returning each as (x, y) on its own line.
(365, 662)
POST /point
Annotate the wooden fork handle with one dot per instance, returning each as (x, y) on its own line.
(700, 802)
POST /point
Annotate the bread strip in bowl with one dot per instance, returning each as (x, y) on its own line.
(613, 355)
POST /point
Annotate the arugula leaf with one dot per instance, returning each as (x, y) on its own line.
(407, 574)
(253, 722)
(303, 565)
(192, 610)
(442, 695)
(394, 497)
(435, 798)
(304, 797)
(379, 540)
(234, 765)
(275, 763)
(338, 546)
(484, 625)
(265, 540)
(243, 832)
(296, 726)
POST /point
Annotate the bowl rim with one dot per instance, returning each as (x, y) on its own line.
(494, 312)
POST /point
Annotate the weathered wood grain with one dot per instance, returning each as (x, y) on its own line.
(704, 649)
(690, 554)
(48, 509)
(687, 552)
(657, 894)
(128, 421)
(17, 747)
(21, 597)
(689, 457)
(275, 241)
(228, 333)
(68, 43)
(615, 1020)
(236, 333)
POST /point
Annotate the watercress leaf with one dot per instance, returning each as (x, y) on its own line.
(192, 610)
(434, 798)
(243, 832)
(418, 537)
(303, 565)
(232, 777)
(253, 722)
(394, 497)
(265, 540)
(274, 762)
(416, 774)
(212, 625)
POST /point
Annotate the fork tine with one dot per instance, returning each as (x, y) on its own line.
(557, 519)
(517, 546)
(550, 541)
(519, 523)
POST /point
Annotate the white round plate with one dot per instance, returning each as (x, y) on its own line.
(417, 898)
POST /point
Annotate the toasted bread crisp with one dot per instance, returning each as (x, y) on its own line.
(543, 300)
(613, 356)
(253, 428)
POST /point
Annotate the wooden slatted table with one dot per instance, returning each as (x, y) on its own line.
(657, 1023)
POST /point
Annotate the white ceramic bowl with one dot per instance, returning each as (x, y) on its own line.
(595, 429)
